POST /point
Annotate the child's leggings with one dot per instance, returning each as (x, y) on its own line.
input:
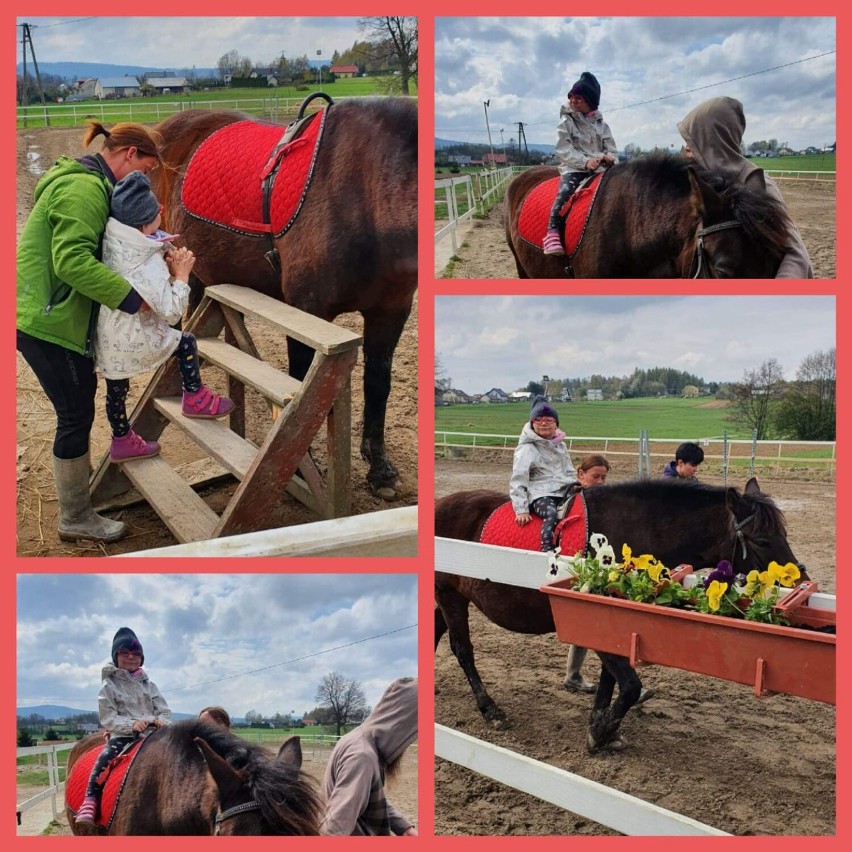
(568, 183)
(545, 508)
(113, 748)
(117, 389)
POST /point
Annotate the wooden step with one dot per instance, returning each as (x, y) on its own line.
(187, 516)
(213, 436)
(325, 337)
(275, 386)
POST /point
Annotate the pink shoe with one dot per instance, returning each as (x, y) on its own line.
(88, 811)
(131, 446)
(206, 405)
(552, 243)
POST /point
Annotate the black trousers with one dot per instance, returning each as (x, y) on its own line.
(70, 383)
(112, 749)
(568, 184)
(546, 509)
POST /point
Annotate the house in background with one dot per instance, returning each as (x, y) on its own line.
(497, 395)
(110, 88)
(594, 395)
(344, 70)
(168, 85)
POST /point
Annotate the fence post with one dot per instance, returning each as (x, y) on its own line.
(753, 465)
(725, 457)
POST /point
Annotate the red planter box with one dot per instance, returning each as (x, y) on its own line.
(766, 656)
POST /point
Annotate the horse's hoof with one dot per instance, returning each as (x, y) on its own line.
(385, 493)
(644, 695)
(593, 745)
(578, 685)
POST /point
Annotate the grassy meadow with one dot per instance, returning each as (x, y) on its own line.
(664, 417)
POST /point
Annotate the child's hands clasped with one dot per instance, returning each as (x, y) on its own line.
(180, 261)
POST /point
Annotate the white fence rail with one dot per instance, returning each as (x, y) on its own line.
(574, 793)
(793, 174)
(390, 532)
(55, 786)
(605, 805)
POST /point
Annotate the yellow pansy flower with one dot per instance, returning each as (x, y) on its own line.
(714, 594)
(786, 575)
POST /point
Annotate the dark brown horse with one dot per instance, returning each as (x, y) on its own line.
(659, 217)
(679, 523)
(197, 778)
(353, 247)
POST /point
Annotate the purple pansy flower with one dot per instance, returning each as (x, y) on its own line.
(723, 572)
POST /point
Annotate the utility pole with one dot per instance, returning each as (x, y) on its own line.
(27, 39)
(487, 104)
(522, 135)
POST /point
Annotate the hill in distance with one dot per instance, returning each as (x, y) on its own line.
(57, 711)
(533, 146)
(77, 70)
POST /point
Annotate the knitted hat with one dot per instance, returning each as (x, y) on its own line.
(542, 408)
(589, 88)
(132, 201)
(126, 638)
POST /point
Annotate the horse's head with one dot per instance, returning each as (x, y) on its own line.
(742, 232)
(760, 534)
(261, 795)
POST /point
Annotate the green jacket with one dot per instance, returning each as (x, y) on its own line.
(61, 281)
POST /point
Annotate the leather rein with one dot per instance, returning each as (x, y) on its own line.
(699, 264)
(231, 812)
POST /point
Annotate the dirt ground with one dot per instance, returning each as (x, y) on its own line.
(36, 501)
(402, 791)
(702, 747)
(485, 253)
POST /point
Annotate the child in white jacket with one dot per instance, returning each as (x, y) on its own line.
(129, 344)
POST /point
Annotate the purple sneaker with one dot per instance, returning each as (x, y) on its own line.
(206, 405)
(131, 446)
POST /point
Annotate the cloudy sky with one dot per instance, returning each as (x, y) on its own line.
(652, 72)
(178, 43)
(508, 341)
(246, 642)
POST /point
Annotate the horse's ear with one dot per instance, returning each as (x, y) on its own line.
(751, 487)
(228, 780)
(756, 179)
(704, 199)
(291, 752)
(732, 499)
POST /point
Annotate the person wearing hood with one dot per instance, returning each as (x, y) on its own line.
(61, 284)
(129, 706)
(125, 345)
(584, 145)
(542, 471)
(361, 762)
(713, 133)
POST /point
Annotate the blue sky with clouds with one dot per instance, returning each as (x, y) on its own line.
(652, 71)
(245, 641)
(175, 43)
(507, 341)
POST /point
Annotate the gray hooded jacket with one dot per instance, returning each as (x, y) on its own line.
(354, 781)
(581, 138)
(714, 132)
(540, 469)
(126, 698)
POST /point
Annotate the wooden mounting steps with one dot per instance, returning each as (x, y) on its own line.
(282, 461)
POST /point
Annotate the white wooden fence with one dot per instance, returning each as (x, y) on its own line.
(55, 786)
(391, 532)
(579, 795)
(815, 177)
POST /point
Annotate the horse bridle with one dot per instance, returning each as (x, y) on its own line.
(740, 539)
(231, 812)
(698, 262)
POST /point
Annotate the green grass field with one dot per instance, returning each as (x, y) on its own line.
(798, 163)
(666, 417)
(280, 101)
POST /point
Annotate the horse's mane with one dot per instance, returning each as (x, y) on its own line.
(768, 518)
(288, 798)
(764, 219)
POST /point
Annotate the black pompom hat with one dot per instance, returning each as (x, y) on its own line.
(542, 408)
(126, 638)
(589, 88)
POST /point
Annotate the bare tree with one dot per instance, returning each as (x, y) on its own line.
(343, 698)
(756, 394)
(393, 40)
(442, 379)
(809, 408)
(228, 63)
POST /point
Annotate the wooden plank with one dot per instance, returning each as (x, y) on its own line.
(323, 336)
(187, 516)
(275, 385)
(589, 799)
(339, 442)
(213, 436)
(390, 532)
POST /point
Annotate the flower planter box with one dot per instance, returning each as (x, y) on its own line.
(768, 657)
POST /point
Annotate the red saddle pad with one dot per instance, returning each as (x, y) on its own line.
(570, 534)
(535, 211)
(78, 780)
(224, 179)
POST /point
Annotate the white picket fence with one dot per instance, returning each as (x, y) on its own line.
(579, 795)
(814, 177)
(55, 786)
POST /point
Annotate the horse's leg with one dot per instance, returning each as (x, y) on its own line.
(606, 717)
(440, 625)
(573, 675)
(454, 609)
(382, 330)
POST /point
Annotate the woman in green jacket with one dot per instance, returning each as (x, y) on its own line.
(61, 285)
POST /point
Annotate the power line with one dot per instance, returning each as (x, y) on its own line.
(60, 23)
(249, 672)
